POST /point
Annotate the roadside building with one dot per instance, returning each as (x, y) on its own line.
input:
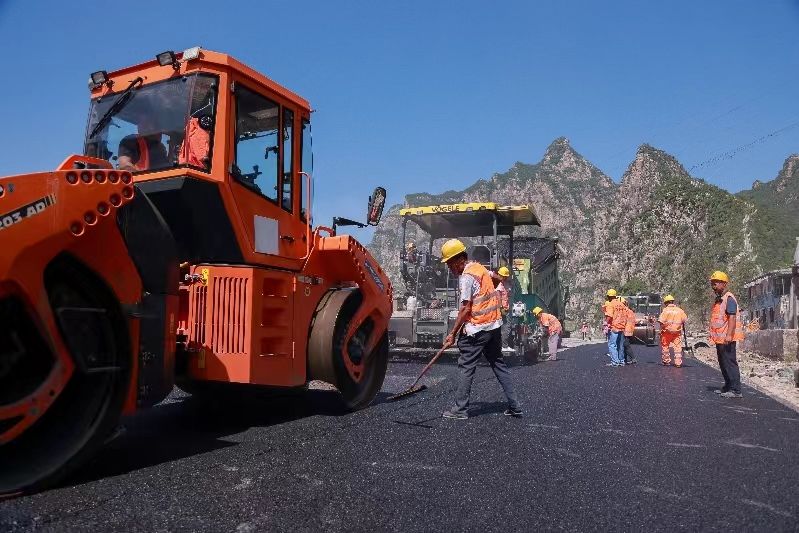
(771, 300)
(795, 289)
(774, 308)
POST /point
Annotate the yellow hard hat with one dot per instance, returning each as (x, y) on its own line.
(612, 293)
(537, 311)
(503, 271)
(718, 275)
(451, 248)
(668, 298)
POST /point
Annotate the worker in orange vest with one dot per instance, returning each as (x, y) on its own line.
(606, 319)
(481, 319)
(726, 329)
(144, 151)
(500, 279)
(552, 328)
(629, 332)
(672, 321)
(501, 285)
(616, 318)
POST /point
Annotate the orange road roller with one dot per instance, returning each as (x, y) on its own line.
(179, 248)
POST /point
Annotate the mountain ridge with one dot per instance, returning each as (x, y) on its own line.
(631, 234)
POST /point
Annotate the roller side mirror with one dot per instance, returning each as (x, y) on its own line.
(376, 203)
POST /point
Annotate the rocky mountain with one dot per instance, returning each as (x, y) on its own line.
(779, 200)
(660, 229)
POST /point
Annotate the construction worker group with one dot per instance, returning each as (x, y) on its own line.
(478, 329)
(725, 331)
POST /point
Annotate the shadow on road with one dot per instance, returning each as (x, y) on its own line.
(486, 408)
(188, 426)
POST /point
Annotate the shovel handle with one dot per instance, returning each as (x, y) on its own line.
(433, 360)
(685, 340)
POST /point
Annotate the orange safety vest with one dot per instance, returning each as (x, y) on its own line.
(719, 321)
(144, 154)
(672, 319)
(485, 306)
(196, 145)
(551, 322)
(618, 315)
(629, 326)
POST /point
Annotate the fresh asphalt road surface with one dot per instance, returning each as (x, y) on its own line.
(638, 448)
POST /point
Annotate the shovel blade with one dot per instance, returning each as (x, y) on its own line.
(407, 392)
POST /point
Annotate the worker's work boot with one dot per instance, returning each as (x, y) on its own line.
(455, 415)
(731, 394)
(517, 413)
(720, 391)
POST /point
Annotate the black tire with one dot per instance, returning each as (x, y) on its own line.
(326, 354)
(89, 408)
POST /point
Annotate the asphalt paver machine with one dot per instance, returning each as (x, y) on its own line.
(178, 247)
(426, 312)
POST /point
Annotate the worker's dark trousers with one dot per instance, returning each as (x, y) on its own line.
(487, 343)
(728, 363)
(628, 350)
(506, 329)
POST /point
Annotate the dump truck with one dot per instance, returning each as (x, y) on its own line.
(425, 314)
(536, 282)
(179, 247)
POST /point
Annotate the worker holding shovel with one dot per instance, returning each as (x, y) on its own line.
(482, 322)
(552, 329)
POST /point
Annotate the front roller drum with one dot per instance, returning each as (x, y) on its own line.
(85, 412)
(326, 354)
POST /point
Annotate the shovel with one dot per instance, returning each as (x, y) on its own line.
(687, 346)
(413, 389)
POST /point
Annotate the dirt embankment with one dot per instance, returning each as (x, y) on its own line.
(775, 378)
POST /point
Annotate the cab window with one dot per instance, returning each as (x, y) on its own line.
(257, 144)
(306, 164)
(288, 163)
(159, 126)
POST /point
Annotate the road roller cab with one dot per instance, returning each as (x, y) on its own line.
(179, 247)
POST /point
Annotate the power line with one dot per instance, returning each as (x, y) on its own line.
(735, 151)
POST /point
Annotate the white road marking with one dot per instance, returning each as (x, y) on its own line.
(650, 490)
(767, 507)
(408, 466)
(617, 432)
(750, 446)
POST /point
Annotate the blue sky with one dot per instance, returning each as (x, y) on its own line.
(433, 95)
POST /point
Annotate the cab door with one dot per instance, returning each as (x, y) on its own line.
(264, 173)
